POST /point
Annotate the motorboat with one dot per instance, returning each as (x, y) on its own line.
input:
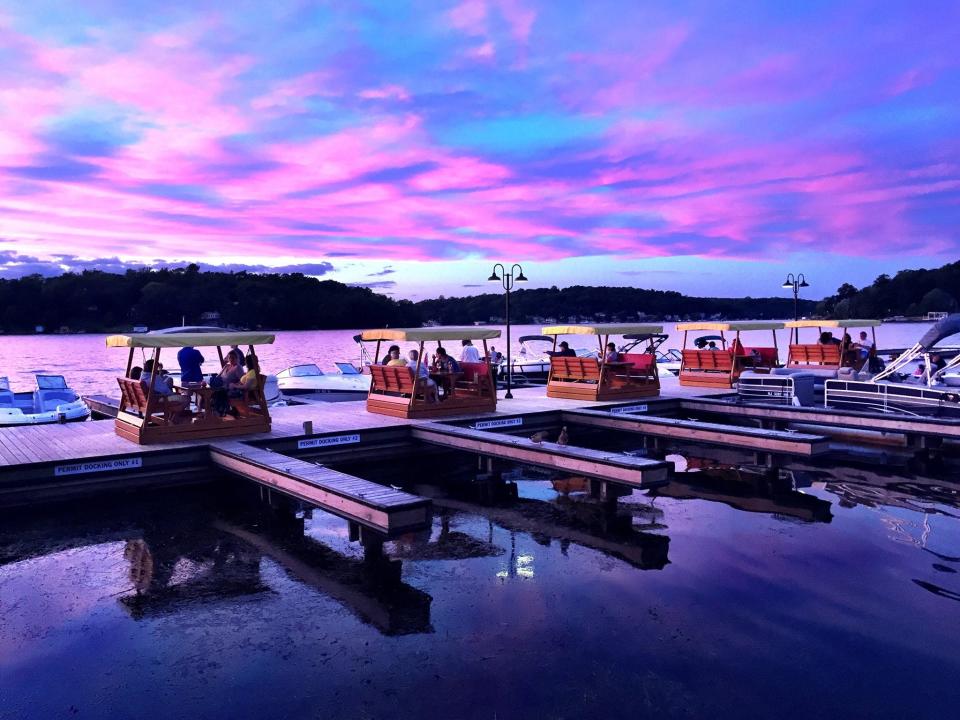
(668, 361)
(532, 362)
(932, 393)
(309, 382)
(51, 402)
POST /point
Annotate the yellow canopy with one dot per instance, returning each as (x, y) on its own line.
(176, 340)
(833, 323)
(431, 333)
(614, 329)
(734, 326)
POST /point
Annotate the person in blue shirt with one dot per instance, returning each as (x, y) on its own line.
(190, 361)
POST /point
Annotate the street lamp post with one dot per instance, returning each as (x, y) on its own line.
(508, 279)
(795, 283)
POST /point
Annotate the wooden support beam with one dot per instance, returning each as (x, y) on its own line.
(770, 441)
(616, 467)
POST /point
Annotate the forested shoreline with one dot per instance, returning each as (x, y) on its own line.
(94, 301)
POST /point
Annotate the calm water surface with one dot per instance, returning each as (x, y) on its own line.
(90, 367)
(840, 601)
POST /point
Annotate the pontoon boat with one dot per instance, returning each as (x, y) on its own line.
(721, 368)
(632, 375)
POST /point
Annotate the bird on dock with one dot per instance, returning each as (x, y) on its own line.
(563, 439)
(538, 437)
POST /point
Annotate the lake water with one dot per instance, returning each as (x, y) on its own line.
(837, 601)
(90, 367)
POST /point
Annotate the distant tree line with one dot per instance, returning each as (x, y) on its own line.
(95, 301)
(909, 293)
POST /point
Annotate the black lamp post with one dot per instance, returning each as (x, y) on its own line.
(795, 283)
(508, 279)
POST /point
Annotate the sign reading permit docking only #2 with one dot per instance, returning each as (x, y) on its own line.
(626, 409)
(327, 441)
(98, 466)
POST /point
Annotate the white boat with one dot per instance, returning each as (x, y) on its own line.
(532, 362)
(51, 402)
(931, 393)
(669, 361)
(311, 383)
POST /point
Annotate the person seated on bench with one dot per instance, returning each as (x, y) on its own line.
(827, 338)
(135, 372)
(163, 386)
(611, 355)
(232, 368)
(393, 353)
(712, 346)
(422, 378)
(248, 383)
(393, 358)
(564, 351)
(449, 368)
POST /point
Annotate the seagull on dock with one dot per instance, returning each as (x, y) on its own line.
(564, 438)
(538, 437)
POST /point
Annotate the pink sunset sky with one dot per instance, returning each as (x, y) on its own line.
(700, 146)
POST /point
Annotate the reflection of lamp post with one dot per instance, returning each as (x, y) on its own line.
(795, 283)
(508, 279)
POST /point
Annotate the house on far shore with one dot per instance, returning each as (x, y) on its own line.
(211, 317)
(39, 329)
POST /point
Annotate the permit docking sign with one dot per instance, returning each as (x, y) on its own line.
(487, 424)
(97, 466)
(628, 409)
(327, 441)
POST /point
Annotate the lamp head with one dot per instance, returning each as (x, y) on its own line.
(521, 277)
(493, 277)
(787, 284)
(804, 283)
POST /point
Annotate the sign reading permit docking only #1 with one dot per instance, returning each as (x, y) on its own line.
(98, 466)
(327, 441)
(628, 409)
(487, 424)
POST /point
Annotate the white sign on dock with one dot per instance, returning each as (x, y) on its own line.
(506, 422)
(327, 441)
(628, 409)
(98, 466)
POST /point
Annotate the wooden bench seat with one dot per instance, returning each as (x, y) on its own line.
(394, 392)
(818, 356)
(133, 398)
(584, 379)
(707, 368)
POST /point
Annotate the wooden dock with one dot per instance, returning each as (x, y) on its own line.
(770, 441)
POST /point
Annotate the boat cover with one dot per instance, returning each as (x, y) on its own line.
(950, 325)
(204, 339)
(833, 323)
(431, 333)
(613, 329)
(732, 326)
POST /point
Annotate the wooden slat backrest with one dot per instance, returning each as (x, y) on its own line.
(766, 356)
(642, 362)
(707, 360)
(574, 368)
(814, 355)
(133, 395)
(392, 379)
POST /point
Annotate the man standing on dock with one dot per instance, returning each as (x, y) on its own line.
(190, 361)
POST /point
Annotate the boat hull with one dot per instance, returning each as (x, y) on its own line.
(891, 398)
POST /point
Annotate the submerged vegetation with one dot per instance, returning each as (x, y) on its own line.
(99, 301)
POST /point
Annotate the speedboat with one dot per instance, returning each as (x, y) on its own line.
(533, 360)
(667, 360)
(311, 383)
(935, 392)
(51, 402)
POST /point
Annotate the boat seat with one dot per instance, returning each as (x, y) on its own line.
(476, 379)
(250, 402)
(574, 369)
(812, 356)
(6, 398)
(387, 380)
(133, 398)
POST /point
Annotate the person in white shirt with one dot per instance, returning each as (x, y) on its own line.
(469, 354)
(430, 392)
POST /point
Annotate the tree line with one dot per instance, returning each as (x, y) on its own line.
(95, 301)
(909, 293)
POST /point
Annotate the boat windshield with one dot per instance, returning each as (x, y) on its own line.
(51, 382)
(303, 371)
(346, 368)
